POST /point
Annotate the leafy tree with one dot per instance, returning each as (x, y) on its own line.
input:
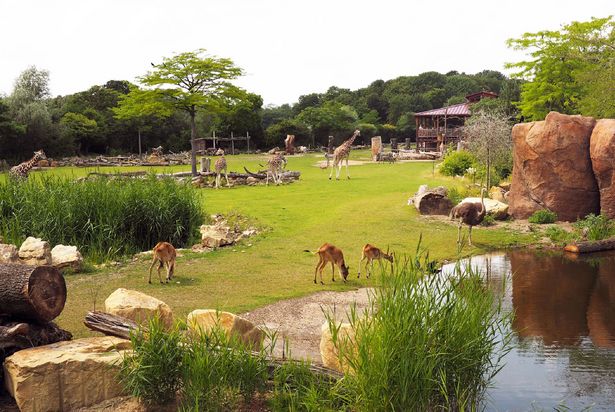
(406, 126)
(305, 101)
(10, 131)
(276, 133)
(31, 85)
(329, 119)
(76, 126)
(275, 114)
(244, 115)
(191, 82)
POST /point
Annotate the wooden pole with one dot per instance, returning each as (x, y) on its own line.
(248, 138)
(232, 143)
(214, 137)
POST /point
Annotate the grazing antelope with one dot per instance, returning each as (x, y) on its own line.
(164, 254)
(371, 253)
(329, 253)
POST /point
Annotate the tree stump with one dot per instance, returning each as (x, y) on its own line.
(376, 147)
(31, 292)
(431, 201)
(394, 146)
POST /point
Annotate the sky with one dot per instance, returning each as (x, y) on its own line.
(286, 48)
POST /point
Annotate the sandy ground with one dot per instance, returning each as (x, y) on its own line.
(299, 320)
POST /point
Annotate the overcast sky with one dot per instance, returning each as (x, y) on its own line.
(287, 48)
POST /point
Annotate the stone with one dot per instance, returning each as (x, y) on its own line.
(498, 210)
(8, 253)
(602, 153)
(552, 168)
(251, 180)
(214, 236)
(66, 375)
(376, 147)
(431, 201)
(328, 353)
(66, 257)
(34, 251)
(204, 320)
(43, 163)
(138, 307)
(497, 193)
(274, 150)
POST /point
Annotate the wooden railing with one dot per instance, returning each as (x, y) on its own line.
(451, 132)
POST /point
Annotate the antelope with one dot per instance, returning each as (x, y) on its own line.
(371, 253)
(329, 253)
(164, 254)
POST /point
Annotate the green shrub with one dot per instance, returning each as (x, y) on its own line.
(543, 216)
(105, 218)
(456, 195)
(558, 235)
(489, 220)
(456, 163)
(596, 227)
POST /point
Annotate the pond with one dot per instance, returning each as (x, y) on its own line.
(563, 331)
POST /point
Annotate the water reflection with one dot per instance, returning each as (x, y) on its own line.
(564, 329)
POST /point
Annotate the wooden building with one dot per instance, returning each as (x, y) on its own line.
(444, 125)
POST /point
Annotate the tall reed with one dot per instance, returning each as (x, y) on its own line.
(104, 218)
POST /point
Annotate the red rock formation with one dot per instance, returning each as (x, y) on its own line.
(552, 168)
(602, 152)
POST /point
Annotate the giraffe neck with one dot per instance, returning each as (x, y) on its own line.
(26, 166)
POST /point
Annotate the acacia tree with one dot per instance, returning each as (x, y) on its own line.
(488, 134)
(191, 81)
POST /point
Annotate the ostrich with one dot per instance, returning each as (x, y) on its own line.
(471, 214)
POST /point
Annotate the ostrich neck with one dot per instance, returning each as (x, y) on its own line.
(482, 202)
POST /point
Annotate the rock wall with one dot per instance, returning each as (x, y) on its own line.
(552, 168)
(602, 152)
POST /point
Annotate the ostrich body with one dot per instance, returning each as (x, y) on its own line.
(471, 214)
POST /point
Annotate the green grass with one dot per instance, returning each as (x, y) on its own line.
(370, 207)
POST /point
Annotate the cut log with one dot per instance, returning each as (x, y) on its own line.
(15, 336)
(31, 292)
(110, 324)
(591, 246)
(432, 201)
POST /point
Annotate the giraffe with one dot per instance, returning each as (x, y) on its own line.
(219, 166)
(340, 153)
(20, 172)
(274, 168)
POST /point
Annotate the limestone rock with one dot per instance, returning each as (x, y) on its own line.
(497, 193)
(328, 353)
(204, 320)
(431, 201)
(66, 375)
(66, 256)
(8, 253)
(43, 163)
(138, 306)
(252, 181)
(498, 210)
(552, 168)
(214, 236)
(35, 251)
(602, 152)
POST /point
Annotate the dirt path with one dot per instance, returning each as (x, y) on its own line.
(300, 320)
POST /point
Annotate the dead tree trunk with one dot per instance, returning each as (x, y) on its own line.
(591, 246)
(31, 292)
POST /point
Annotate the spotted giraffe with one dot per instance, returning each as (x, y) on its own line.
(340, 153)
(20, 172)
(274, 168)
(220, 166)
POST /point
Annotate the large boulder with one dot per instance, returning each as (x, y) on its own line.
(8, 253)
(329, 354)
(66, 375)
(217, 235)
(204, 320)
(495, 208)
(497, 193)
(66, 257)
(552, 168)
(35, 252)
(433, 201)
(138, 307)
(602, 152)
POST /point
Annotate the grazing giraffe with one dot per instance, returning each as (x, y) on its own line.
(274, 168)
(341, 153)
(219, 166)
(20, 172)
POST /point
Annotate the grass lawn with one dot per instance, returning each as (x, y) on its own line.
(371, 207)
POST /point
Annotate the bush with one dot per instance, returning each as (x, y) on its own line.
(488, 220)
(456, 163)
(456, 195)
(558, 235)
(596, 227)
(543, 216)
(104, 218)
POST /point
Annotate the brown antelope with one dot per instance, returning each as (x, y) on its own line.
(329, 253)
(371, 253)
(164, 254)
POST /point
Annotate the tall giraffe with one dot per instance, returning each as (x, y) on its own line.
(343, 152)
(20, 172)
(220, 166)
(274, 168)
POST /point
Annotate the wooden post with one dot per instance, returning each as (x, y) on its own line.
(330, 145)
(232, 144)
(394, 144)
(205, 164)
(248, 138)
(214, 138)
(376, 147)
(408, 143)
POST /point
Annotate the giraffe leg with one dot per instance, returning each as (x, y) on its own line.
(217, 180)
(226, 176)
(332, 167)
(338, 171)
(347, 172)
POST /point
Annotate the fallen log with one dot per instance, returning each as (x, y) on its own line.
(15, 336)
(591, 246)
(31, 292)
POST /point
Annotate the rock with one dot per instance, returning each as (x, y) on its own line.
(34, 251)
(552, 168)
(498, 210)
(54, 164)
(497, 193)
(251, 180)
(66, 256)
(43, 163)
(602, 153)
(376, 147)
(303, 149)
(431, 201)
(8, 253)
(199, 248)
(214, 236)
(328, 353)
(204, 320)
(65, 376)
(138, 306)
(505, 186)
(274, 150)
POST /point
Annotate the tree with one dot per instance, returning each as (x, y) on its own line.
(76, 126)
(571, 70)
(10, 131)
(31, 85)
(330, 118)
(191, 82)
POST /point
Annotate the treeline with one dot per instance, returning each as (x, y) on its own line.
(86, 123)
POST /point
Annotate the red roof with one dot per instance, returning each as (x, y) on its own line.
(461, 109)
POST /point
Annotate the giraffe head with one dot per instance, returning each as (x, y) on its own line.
(357, 132)
(40, 155)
